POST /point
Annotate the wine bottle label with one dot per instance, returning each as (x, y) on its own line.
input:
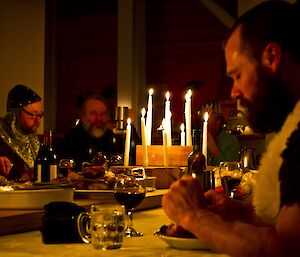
(53, 171)
(39, 173)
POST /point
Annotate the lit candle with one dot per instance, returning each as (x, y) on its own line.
(127, 143)
(188, 117)
(165, 145)
(168, 115)
(144, 143)
(149, 117)
(204, 139)
(245, 162)
(182, 134)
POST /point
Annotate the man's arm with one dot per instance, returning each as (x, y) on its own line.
(223, 230)
(5, 166)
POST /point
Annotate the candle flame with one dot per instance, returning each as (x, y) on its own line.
(143, 112)
(168, 96)
(182, 127)
(151, 91)
(206, 116)
(128, 121)
(188, 95)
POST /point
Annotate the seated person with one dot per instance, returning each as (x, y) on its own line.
(19, 143)
(91, 134)
(222, 146)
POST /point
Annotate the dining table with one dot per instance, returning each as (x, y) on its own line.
(148, 221)
(21, 236)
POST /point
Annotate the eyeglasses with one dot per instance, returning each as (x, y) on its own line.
(33, 115)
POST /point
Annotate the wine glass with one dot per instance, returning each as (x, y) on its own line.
(130, 192)
(64, 165)
(231, 174)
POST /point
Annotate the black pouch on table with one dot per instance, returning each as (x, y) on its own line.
(59, 223)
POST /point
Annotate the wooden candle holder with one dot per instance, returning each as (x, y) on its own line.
(178, 155)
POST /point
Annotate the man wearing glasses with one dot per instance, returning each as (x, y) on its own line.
(19, 143)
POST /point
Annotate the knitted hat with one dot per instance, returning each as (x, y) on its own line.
(20, 96)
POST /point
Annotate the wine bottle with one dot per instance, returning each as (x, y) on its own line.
(196, 160)
(45, 165)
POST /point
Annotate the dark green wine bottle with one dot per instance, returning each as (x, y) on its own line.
(45, 165)
(196, 160)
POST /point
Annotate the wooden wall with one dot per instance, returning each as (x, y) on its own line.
(183, 43)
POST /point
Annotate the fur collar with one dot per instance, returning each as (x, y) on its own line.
(266, 199)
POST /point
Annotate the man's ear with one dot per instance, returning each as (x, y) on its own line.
(271, 57)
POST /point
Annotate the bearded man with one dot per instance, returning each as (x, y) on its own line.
(91, 134)
(263, 59)
(19, 143)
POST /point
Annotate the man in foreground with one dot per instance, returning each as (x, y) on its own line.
(19, 143)
(263, 59)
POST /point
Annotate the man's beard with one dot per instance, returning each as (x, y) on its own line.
(31, 130)
(270, 106)
(94, 131)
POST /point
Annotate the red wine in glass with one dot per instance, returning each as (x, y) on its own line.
(130, 192)
(229, 184)
(129, 200)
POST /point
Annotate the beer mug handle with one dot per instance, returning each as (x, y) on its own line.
(83, 225)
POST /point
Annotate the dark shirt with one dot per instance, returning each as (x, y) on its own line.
(79, 145)
(289, 173)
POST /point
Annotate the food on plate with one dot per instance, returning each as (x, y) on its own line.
(92, 177)
(3, 181)
(174, 230)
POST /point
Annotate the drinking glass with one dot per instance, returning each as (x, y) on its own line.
(64, 165)
(231, 175)
(130, 192)
(103, 226)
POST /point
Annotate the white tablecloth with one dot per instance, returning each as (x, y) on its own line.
(30, 244)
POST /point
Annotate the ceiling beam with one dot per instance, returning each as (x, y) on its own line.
(219, 12)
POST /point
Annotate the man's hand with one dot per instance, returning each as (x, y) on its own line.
(184, 197)
(5, 166)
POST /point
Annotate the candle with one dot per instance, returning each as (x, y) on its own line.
(204, 139)
(188, 117)
(149, 117)
(144, 142)
(165, 145)
(127, 143)
(182, 134)
(245, 162)
(168, 115)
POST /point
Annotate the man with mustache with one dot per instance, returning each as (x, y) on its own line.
(91, 135)
(19, 143)
(263, 59)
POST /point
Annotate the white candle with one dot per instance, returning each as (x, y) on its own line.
(149, 117)
(182, 135)
(204, 139)
(127, 143)
(165, 145)
(245, 162)
(188, 117)
(168, 116)
(143, 135)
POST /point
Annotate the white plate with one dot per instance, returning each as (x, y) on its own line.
(183, 243)
(35, 198)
